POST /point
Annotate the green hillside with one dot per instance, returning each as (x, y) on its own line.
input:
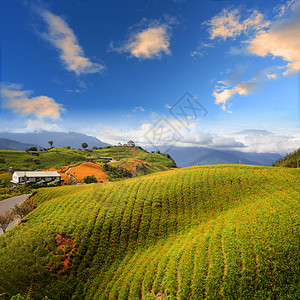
(58, 157)
(291, 160)
(211, 232)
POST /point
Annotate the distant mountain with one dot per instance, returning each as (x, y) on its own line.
(60, 139)
(7, 144)
(191, 156)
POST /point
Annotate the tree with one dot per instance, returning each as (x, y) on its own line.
(5, 220)
(22, 210)
(32, 149)
(90, 179)
(84, 145)
(50, 143)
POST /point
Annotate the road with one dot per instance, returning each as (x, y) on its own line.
(9, 203)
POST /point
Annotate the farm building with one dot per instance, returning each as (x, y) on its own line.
(31, 177)
(130, 143)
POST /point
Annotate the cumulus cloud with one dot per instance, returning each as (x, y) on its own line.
(228, 24)
(281, 40)
(61, 36)
(147, 43)
(20, 102)
(261, 141)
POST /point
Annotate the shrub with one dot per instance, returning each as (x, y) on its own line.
(32, 149)
(90, 179)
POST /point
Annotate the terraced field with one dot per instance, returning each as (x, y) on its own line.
(87, 169)
(211, 232)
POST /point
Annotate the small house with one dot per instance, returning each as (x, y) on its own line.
(31, 177)
(130, 143)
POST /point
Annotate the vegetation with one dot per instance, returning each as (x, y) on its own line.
(58, 157)
(5, 219)
(291, 160)
(54, 158)
(90, 179)
(84, 145)
(116, 173)
(14, 191)
(19, 211)
(32, 149)
(210, 232)
(87, 169)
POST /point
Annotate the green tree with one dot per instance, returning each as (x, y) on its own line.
(32, 149)
(90, 179)
(50, 143)
(84, 145)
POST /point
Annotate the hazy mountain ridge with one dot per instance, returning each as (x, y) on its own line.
(191, 156)
(60, 139)
(7, 144)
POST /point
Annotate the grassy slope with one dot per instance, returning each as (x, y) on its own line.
(54, 158)
(202, 232)
(153, 159)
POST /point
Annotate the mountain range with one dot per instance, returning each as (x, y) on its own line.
(7, 144)
(183, 156)
(60, 139)
(192, 156)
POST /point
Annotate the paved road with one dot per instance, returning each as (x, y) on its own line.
(9, 203)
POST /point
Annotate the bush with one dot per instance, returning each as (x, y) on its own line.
(90, 179)
(32, 149)
(22, 210)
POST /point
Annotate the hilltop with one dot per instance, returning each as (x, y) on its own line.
(211, 232)
(291, 160)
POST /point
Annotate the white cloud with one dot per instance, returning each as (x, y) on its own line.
(228, 23)
(200, 49)
(223, 93)
(244, 88)
(147, 43)
(20, 102)
(138, 108)
(261, 141)
(281, 40)
(63, 38)
(37, 125)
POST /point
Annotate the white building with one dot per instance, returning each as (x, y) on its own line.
(30, 177)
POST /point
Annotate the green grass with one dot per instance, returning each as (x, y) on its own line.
(211, 232)
(4, 179)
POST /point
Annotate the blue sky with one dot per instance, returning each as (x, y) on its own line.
(113, 69)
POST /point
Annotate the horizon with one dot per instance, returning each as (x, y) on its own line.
(222, 75)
